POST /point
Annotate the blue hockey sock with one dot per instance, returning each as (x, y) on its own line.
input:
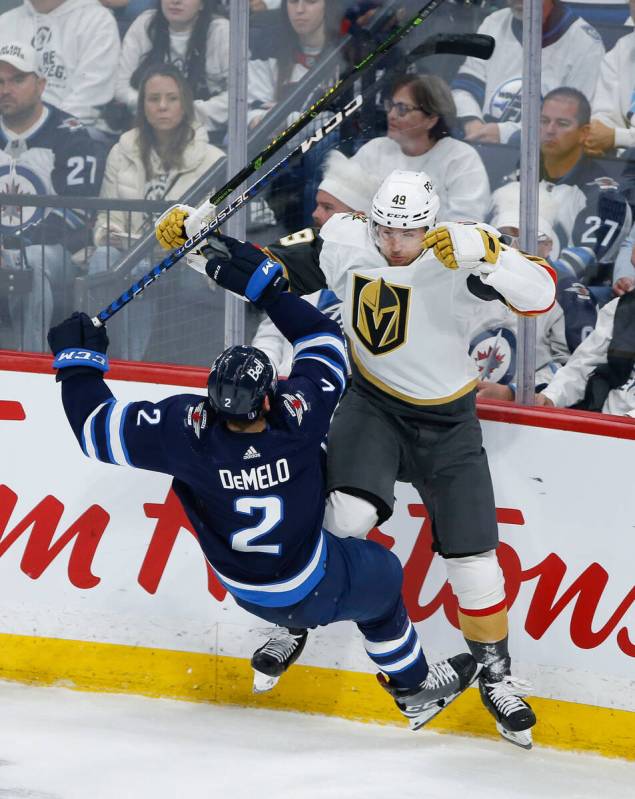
(400, 657)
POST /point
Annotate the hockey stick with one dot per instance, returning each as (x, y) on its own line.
(276, 143)
(241, 200)
(477, 45)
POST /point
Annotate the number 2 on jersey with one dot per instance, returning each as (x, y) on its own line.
(242, 539)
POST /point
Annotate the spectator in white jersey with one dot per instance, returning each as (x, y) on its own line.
(600, 375)
(421, 114)
(194, 37)
(488, 93)
(614, 99)
(159, 159)
(345, 188)
(43, 151)
(494, 329)
(78, 45)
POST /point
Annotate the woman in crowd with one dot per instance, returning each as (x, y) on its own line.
(421, 113)
(307, 30)
(159, 159)
(194, 37)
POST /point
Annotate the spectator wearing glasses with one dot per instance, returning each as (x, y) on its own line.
(421, 114)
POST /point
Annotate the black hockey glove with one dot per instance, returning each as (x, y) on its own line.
(79, 347)
(244, 269)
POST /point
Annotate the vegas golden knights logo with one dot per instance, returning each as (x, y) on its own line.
(380, 313)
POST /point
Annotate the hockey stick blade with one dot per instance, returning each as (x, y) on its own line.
(476, 45)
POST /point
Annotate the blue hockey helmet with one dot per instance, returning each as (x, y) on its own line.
(240, 379)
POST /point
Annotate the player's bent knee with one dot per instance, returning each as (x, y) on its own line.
(477, 582)
(347, 516)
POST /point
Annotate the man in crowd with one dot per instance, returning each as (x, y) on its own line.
(578, 198)
(600, 374)
(614, 98)
(488, 93)
(78, 44)
(43, 150)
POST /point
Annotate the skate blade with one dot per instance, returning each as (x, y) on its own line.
(430, 712)
(522, 738)
(263, 682)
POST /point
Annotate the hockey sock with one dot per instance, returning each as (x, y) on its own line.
(400, 657)
(494, 658)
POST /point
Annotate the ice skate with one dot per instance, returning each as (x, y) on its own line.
(446, 680)
(273, 658)
(514, 717)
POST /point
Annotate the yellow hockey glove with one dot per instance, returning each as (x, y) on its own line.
(439, 239)
(170, 227)
(464, 246)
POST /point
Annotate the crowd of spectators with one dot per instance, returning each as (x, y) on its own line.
(128, 100)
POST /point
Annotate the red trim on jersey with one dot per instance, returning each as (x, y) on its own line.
(485, 611)
(554, 276)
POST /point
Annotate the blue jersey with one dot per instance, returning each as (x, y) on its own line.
(57, 157)
(255, 500)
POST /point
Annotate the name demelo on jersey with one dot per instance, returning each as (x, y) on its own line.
(258, 478)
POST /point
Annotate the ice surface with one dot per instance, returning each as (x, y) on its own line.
(62, 744)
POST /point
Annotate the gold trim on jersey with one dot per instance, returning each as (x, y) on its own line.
(392, 392)
(380, 313)
(278, 260)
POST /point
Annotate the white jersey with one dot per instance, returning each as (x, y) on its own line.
(491, 90)
(409, 326)
(454, 167)
(78, 46)
(614, 98)
(494, 343)
(569, 384)
(213, 112)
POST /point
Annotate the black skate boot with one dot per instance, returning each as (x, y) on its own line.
(502, 694)
(503, 698)
(272, 659)
(446, 680)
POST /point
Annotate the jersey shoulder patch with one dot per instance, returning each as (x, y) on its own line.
(350, 229)
(295, 405)
(197, 418)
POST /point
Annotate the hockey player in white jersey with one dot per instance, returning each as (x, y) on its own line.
(410, 290)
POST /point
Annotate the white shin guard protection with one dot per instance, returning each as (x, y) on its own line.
(349, 516)
(477, 581)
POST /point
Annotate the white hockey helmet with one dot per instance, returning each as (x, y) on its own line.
(404, 200)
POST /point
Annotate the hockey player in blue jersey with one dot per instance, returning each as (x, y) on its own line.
(248, 467)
